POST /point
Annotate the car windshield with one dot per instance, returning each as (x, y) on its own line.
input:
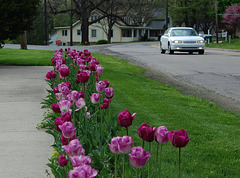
(183, 32)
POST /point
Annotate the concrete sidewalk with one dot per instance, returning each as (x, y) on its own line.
(24, 150)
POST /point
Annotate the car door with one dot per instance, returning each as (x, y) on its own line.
(164, 40)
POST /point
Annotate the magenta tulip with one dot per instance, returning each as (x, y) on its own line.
(80, 103)
(62, 161)
(67, 129)
(64, 71)
(74, 96)
(99, 69)
(125, 118)
(114, 146)
(65, 141)
(64, 105)
(146, 133)
(138, 157)
(74, 148)
(80, 160)
(59, 121)
(82, 77)
(51, 75)
(55, 108)
(67, 116)
(162, 135)
(178, 138)
(100, 86)
(84, 171)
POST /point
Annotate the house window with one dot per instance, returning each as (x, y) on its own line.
(78, 32)
(94, 33)
(126, 33)
(112, 33)
(64, 32)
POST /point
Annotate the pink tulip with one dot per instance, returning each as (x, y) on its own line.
(109, 92)
(55, 108)
(62, 161)
(114, 146)
(95, 98)
(59, 121)
(138, 157)
(67, 129)
(85, 171)
(146, 133)
(64, 105)
(80, 103)
(74, 96)
(51, 75)
(64, 71)
(65, 90)
(125, 118)
(100, 86)
(178, 138)
(125, 144)
(74, 148)
(80, 160)
(88, 115)
(162, 135)
(99, 69)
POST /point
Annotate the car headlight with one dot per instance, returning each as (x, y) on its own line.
(176, 41)
(200, 41)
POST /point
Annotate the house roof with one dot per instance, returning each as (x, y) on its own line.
(156, 24)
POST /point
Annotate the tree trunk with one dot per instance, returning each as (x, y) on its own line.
(84, 29)
(23, 39)
(110, 25)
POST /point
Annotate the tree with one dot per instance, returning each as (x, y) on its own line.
(232, 19)
(16, 17)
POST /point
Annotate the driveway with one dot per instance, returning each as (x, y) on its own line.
(214, 76)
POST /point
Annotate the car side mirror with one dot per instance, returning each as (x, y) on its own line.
(166, 35)
(201, 35)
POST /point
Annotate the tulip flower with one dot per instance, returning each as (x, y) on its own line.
(84, 171)
(146, 133)
(65, 91)
(64, 105)
(55, 108)
(99, 69)
(62, 161)
(67, 129)
(55, 90)
(162, 135)
(125, 144)
(114, 146)
(125, 119)
(179, 139)
(80, 160)
(74, 95)
(80, 103)
(95, 98)
(138, 157)
(63, 71)
(74, 148)
(59, 121)
(82, 77)
(109, 92)
(65, 141)
(51, 75)
(67, 116)
(100, 86)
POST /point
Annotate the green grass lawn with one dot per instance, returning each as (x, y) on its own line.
(235, 44)
(214, 146)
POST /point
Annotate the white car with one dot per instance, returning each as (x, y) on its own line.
(183, 39)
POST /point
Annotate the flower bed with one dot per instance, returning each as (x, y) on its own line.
(85, 132)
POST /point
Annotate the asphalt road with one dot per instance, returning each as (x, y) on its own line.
(214, 76)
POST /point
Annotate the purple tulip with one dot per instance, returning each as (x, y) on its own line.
(67, 116)
(85, 171)
(74, 96)
(74, 148)
(63, 71)
(62, 161)
(80, 160)
(125, 118)
(162, 135)
(67, 129)
(80, 103)
(55, 90)
(100, 86)
(114, 146)
(64, 105)
(51, 75)
(178, 138)
(109, 92)
(65, 90)
(99, 69)
(146, 133)
(82, 77)
(138, 157)
(65, 141)
(95, 98)
(125, 144)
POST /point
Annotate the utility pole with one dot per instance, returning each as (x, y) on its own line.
(71, 27)
(45, 14)
(166, 14)
(216, 17)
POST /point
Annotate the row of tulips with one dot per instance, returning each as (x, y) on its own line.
(85, 132)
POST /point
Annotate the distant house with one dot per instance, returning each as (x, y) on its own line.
(120, 31)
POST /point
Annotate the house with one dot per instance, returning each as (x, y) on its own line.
(97, 31)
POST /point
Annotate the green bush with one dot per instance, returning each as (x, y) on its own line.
(102, 42)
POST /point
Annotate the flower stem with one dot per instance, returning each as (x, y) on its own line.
(179, 161)
(127, 130)
(115, 169)
(123, 175)
(143, 144)
(149, 160)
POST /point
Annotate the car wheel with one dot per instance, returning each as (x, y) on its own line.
(190, 52)
(162, 50)
(201, 52)
(169, 48)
